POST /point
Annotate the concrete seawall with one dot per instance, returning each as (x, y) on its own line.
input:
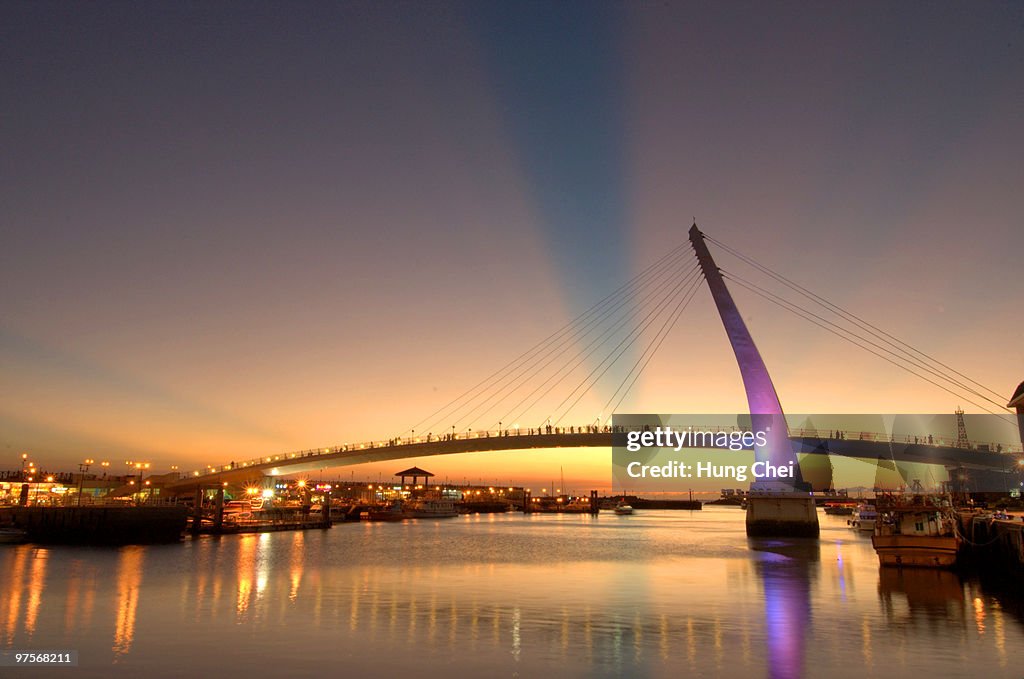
(995, 544)
(98, 525)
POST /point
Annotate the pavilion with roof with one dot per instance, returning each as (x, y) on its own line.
(414, 473)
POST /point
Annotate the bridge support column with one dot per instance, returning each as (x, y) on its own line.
(774, 508)
(595, 506)
(526, 502)
(781, 515)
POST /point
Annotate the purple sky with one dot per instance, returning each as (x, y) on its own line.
(260, 227)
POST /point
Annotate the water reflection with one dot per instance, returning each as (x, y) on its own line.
(73, 595)
(786, 568)
(933, 592)
(35, 596)
(15, 592)
(129, 584)
(295, 566)
(246, 567)
(648, 597)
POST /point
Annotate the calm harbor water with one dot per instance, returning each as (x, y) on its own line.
(649, 595)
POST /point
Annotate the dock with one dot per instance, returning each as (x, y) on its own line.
(265, 526)
(995, 543)
(98, 524)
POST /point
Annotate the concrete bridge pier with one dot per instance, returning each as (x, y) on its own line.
(774, 508)
(781, 514)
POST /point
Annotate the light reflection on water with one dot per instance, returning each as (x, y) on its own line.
(507, 595)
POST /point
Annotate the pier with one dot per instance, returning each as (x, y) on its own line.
(98, 524)
(994, 543)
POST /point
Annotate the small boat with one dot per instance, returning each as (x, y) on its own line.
(623, 509)
(918, 531)
(432, 509)
(864, 518)
(12, 536)
(580, 505)
(393, 511)
(838, 508)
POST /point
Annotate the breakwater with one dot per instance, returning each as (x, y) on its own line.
(113, 525)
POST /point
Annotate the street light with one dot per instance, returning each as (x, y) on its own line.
(31, 478)
(83, 467)
(141, 466)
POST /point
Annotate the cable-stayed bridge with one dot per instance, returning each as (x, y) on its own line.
(537, 400)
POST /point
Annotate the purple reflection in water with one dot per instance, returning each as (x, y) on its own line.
(786, 568)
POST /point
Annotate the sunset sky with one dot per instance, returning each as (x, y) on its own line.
(240, 228)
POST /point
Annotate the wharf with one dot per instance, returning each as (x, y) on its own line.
(644, 503)
(98, 524)
(259, 526)
(641, 503)
(993, 542)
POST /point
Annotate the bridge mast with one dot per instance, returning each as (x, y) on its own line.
(769, 515)
(1017, 401)
(760, 391)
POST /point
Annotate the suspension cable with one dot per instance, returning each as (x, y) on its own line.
(615, 357)
(582, 357)
(799, 312)
(586, 352)
(853, 318)
(469, 393)
(666, 329)
(909, 359)
(524, 374)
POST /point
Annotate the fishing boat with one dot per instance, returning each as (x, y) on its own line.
(432, 509)
(623, 509)
(393, 511)
(839, 508)
(864, 518)
(916, 531)
(237, 510)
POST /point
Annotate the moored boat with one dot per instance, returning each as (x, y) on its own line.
(432, 509)
(12, 536)
(918, 531)
(864, 518)
(623, 509)
(839, 508)
(393, 511)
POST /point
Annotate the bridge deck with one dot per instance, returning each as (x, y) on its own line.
(397, 449)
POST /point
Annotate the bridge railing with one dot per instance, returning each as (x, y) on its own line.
(404, 441)
(929, 440)
(430, 437)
